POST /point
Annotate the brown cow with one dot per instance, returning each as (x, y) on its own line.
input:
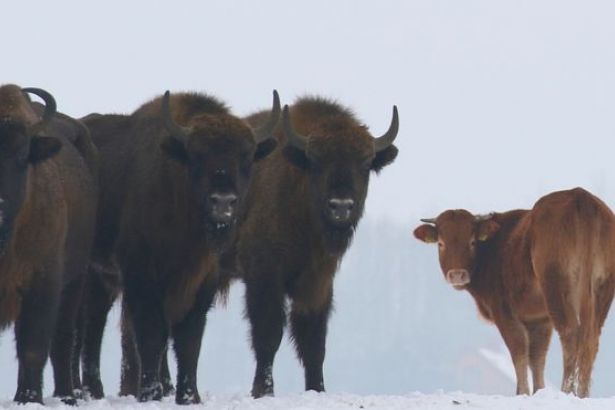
(48, 200)
(305, 202)
(530, 271)
(174, 176)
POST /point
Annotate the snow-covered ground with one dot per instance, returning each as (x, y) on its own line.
(548, 399)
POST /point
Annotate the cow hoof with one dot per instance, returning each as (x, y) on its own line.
(189, 396)
(69, 400)
(260, 391)
(151, 393)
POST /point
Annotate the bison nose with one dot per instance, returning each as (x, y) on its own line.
(223, 206)
(458, 277)
(341, 208)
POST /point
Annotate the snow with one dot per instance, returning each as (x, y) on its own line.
(546, 399)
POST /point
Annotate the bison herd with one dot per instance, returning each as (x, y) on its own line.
(168, 205)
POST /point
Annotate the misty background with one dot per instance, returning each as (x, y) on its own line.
(500, 103)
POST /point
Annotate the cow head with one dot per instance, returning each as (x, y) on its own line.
(21, 147)
(458, 234)
(218, 151)
(338, 156)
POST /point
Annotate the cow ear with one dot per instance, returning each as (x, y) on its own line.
(426, 233)
(175, 149)
(265, 148)
(296, 156)
(384, 158)
(486, 229)
(42, 148)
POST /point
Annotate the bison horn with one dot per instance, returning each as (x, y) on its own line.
(387, 139)
(50, 108)
(179, 132)
(294, 138)
(264, 131)
(429, 220)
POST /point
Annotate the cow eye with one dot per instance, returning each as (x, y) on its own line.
(441, 245)
(472, 243)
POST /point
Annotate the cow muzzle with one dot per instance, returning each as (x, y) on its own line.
(458, 278)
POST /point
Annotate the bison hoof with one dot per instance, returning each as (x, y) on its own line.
(69, 400)
(167, 388)
(150, 393)
(261, 391)
(189, 396)
(28, 396)
(94, 390)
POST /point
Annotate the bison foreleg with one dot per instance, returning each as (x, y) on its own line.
(309, 332)
(33, 333)
(187, 336)
(265, 308)
(64, 341)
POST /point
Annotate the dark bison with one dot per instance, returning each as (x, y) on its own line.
(174, 175)
(303, 206)
(531, 270)
(48, 196)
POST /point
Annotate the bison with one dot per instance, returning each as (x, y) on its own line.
(532, 270)
(48, 197)
(174, 176)
(303, 206)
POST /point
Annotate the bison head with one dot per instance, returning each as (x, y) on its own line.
(21, 147)
(218, 151)
(338, 156)
(457, 233)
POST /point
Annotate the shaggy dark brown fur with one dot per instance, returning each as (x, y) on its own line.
(48, 212)
(289, 245)
(158, 226)
(530, 271)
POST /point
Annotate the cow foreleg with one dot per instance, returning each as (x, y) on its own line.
(64, 339)
(187, 336)
(515, 336)
(33, 333)
(131, 364)
(309, 332)
(265, 306)
(144, 305)
(540, 336)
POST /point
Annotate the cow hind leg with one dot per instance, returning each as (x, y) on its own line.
(309, 333)
(165, 377)
(593, 320)
(265, 310)
(63, 344)
(540, 336)
(565, 317)
(33, 333)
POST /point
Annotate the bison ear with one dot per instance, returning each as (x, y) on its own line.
(296, 156)
(486, 229)
(426, 233)
(42, 148)
(265, 148)
(384, 158)
(175, 149)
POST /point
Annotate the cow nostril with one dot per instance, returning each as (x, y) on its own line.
(223, 199)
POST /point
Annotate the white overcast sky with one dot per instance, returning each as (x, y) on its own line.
(500, 101)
